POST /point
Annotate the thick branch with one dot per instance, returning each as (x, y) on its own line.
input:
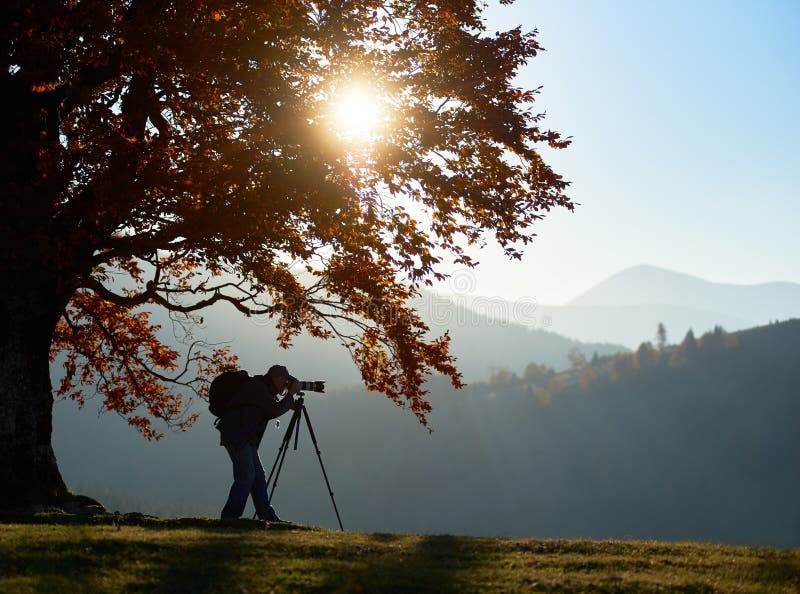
(151, 295)
(133, 245)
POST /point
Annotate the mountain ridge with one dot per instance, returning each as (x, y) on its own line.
(650, 269)
(627, 307)
(652, 285)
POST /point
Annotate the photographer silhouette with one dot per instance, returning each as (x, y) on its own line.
(242, 426)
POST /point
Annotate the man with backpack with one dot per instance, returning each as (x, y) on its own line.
(253, 402)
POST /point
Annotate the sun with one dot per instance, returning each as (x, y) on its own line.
(357, 114)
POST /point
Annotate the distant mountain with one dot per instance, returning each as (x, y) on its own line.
(650, 285)
(627, 307)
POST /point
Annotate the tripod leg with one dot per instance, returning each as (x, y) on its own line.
(284, 447)
(297, 432)
(324, 474)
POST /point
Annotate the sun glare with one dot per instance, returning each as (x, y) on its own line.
(357, 114)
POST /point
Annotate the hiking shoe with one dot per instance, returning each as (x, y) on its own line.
(270, 515)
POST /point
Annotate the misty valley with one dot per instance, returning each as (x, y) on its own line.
(690, 441)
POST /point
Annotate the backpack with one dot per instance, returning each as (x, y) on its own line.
(223, 389)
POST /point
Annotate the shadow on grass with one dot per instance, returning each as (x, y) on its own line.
(441, 564)
(191, 567)
(120, 566)
(778, 568)
(246, 555)
(227, 556)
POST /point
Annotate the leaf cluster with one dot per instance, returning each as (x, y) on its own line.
(190, 146)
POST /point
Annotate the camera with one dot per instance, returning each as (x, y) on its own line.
(315, 386)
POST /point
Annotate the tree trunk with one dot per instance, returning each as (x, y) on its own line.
(29, 473)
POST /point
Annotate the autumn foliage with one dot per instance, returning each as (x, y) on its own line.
(178, 154)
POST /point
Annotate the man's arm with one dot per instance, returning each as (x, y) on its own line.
(281, 407)
(288, 402)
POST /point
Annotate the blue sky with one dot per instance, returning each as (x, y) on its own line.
(686, 142)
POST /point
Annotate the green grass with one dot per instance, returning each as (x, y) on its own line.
(67, 554)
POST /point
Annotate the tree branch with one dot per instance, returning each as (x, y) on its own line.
(151, 295)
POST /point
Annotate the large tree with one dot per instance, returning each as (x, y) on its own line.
(181, 153)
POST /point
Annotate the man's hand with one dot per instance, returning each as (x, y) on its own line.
(294, 387)
(298, 403)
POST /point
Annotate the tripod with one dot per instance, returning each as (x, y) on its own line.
(294, 428)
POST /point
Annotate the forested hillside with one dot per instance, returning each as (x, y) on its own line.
(694, 440)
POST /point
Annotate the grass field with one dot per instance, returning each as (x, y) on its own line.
(67, 554)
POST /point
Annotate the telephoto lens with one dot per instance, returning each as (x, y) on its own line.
(316, 386)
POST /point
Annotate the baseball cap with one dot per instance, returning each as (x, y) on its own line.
(280, 371)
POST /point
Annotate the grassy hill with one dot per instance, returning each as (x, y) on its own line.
(103, 554)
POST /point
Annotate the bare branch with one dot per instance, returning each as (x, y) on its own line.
(151, 295)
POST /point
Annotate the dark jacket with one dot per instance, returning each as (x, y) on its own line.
(251, 408)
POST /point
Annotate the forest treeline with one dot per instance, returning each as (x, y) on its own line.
(654, 361)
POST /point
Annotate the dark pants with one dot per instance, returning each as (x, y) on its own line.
(248, 479)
